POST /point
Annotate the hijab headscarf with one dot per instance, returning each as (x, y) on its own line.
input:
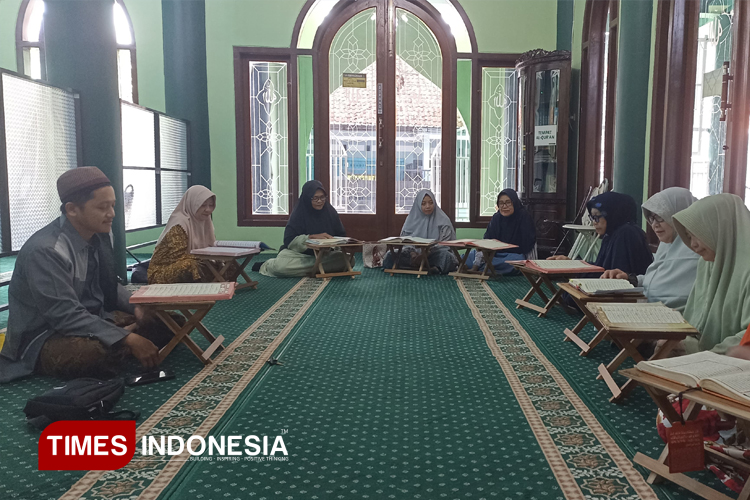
(517, 229)
(624, 245)
(719, 305)
(436, 226)
(200, 233)
(671, 276)
(306, 220)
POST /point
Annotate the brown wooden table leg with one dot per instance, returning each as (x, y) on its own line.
(555, 297)
(218, 275)
(661, 353)
(182, 334)
(489, 256)
(535, 289)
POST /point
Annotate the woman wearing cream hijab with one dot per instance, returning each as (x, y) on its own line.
(669, 279)
(189, 227)
(718, 229)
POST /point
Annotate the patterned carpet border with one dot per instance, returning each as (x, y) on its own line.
(201, 402)
(581, 454)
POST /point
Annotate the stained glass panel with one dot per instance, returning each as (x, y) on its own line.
(419, 111)
(353, 116)
(270, 143)
(709, 133)
(499, 123)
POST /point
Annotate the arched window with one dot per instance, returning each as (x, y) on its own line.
(598, 83)
(30, 39)
(376, 103)
(31, 51)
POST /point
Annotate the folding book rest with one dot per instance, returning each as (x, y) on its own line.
(194, 312)
(538, 278)
(321, 251)
(226, 267)
(629, 341)
(659, 389)
(422, 248)
(581, 299)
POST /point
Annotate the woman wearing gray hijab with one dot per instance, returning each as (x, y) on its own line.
(670, 277)
(426, 220)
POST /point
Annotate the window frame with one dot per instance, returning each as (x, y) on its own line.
(478, 64)
(157, 161)
(242, 58)
(290, 55)
(22, 44)
(592, 94)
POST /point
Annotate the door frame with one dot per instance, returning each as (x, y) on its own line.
(379, 225)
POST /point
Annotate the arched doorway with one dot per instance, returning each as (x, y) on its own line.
(385, 103)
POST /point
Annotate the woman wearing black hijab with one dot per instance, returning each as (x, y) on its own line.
(624, 244)
(510, 224)
(313, 217)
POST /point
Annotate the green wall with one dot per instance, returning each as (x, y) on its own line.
(8, 17)
(507, 26)
(146, 18)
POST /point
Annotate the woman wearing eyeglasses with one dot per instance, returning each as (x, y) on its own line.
(670, 277)
(313, 218)
(510, 224)
(624, 244)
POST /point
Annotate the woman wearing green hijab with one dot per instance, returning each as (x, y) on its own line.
(718, 229)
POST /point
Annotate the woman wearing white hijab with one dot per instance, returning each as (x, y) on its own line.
(189, 227)
(669, 279)
(427, 220)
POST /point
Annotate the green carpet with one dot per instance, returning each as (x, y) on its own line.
(389, 388)
(19, 477)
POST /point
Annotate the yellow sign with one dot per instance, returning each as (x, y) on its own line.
(355, 80)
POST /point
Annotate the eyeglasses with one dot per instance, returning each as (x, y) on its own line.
(654, 219)
(596, 218)
(505, 204)
(319, 198)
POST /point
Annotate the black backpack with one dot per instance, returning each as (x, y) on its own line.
(78, 399)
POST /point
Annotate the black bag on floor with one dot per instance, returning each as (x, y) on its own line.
(140, 272)
(78, 399)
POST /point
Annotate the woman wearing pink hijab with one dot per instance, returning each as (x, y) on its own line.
(189, 227)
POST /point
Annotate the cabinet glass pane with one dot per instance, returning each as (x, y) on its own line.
(546, 104)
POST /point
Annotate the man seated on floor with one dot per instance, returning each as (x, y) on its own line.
(64, 288)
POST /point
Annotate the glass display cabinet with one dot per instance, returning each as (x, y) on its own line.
(544, 81)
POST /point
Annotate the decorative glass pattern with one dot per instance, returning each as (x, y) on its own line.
(499, 144)
(172, 143)
(419, 112)
(353, 116)
(546, 104)
(173, 186)
(40, 135)
(709, 133)
(269, 136)
(139, 197)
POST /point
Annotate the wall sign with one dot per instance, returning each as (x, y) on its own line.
(355, 80)
(545, 135)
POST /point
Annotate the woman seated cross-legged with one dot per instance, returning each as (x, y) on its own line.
(426, 220)
(670, 277)
(189, 227)
(510, 224)
(624, 244)
(313, 218)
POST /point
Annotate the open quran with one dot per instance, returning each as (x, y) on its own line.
(182, 292)
(595, 286)
(641, 317)
(722, 375)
